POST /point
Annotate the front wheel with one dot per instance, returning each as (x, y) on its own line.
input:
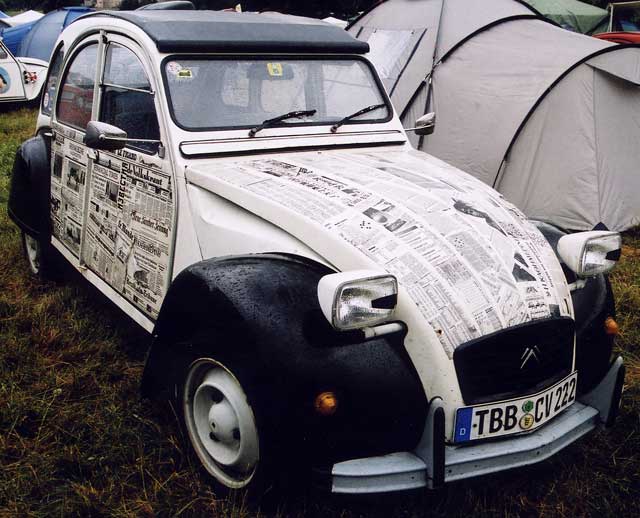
(37, 254)
(222, 427)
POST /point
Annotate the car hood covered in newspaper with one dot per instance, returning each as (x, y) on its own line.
(468, 262)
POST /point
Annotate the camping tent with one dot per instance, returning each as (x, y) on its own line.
(549, 117)
(26, 17)
(571, 14)
(5, 21)
(12, 36)
(36, 39)
(29, 17)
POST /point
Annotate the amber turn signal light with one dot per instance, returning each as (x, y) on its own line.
(326, 403)
(611, 327)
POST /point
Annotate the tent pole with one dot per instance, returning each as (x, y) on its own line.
(434, 64)
(498, 177)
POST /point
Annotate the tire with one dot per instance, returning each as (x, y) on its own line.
(38, 255)
(217, 401)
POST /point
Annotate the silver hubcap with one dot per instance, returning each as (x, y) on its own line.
(33, 253)
(220, 423)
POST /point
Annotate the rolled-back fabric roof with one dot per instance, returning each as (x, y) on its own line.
(491, 70)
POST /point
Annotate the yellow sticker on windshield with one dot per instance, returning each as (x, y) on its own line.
(185, 73)
(275, 69)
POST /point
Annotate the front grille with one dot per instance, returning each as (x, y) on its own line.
(493, 367)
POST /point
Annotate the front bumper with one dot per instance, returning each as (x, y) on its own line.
(412, 470)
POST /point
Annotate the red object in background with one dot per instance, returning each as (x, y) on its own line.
(619, 37)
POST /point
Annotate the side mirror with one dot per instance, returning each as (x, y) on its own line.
(100, 135)
(426, 124)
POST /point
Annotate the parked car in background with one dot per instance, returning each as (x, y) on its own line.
(321, 298)
(21, 80)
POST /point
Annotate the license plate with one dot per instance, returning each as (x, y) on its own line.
(516, 415)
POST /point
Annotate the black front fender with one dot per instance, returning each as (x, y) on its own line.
(593, 303)
(29, 196)
(265, 308)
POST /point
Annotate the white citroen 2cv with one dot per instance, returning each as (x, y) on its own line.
(320, 297)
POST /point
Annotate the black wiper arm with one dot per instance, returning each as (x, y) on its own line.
(291, 115)
(368, 109)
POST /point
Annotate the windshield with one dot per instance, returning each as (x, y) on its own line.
(213, 93)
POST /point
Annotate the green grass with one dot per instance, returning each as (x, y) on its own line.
(77, 440)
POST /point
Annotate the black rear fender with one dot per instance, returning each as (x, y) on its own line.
(29, 195)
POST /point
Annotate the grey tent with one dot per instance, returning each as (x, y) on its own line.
(549, 117)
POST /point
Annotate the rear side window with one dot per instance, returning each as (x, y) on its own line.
(127, 99)
(75, 99)
(52, 82)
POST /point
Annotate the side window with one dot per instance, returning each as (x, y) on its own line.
(75, 99)
(127, 98)
(52, 82)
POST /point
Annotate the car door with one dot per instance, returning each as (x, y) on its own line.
(129, 238)
(69, 158)
(124, 233)
(11, 78)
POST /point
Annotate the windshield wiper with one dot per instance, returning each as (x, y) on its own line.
(368, 109)
(291, 115)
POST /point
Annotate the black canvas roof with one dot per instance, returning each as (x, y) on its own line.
(218, 31)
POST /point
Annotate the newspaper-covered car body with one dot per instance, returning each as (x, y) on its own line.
(21, 79)
(322, 298)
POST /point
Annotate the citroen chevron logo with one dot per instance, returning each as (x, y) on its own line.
(530, 352)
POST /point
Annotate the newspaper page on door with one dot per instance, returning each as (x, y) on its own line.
(68, 184)
(129, 226)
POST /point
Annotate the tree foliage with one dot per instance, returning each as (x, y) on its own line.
(39, 5)
(313, 8)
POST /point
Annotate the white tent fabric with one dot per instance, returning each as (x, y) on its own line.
(25, 17)
(549, 117)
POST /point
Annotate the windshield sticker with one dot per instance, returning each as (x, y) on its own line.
(185, 73)
(274, 69)
(173, 68)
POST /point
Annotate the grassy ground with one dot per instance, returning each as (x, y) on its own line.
(76, 439)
